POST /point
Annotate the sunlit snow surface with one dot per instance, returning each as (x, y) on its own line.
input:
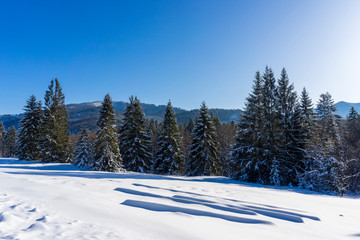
(60, 201)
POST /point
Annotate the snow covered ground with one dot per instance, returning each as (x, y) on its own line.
(60, 201)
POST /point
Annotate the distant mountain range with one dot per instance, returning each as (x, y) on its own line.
(86, 114)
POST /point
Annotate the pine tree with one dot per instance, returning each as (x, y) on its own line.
(327, 120)
(10, 142)
(204, 154)
(268, 134)
(353, 114)
(169, 158)
(154, 132)
(55, 145)
(29, 132)
(247, 161)
(288, 132)
(190, 125)
(84, 152)
(2, 135)
(308, 116)
(107, 154)
(134, 139)
(325, 169)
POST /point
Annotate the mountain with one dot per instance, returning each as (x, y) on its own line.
(343, 108)
(86, 114)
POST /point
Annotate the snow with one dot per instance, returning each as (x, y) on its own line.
(97, 104)
(61, 201)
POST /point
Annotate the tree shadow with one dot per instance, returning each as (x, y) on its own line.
(241, 209)
(205, 195)
(168, 208)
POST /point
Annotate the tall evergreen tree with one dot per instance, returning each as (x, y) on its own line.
(169, 158)
(204, 153)
(308, 116)
(107, 154)
(247, 161)
(10, 143)
(289, 152)
(135, 145)
(29, 132)
(55, 145)
(268, 134)
(327, 120)
(325, 170)
(84, 156)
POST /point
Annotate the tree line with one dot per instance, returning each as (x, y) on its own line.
(280, 139)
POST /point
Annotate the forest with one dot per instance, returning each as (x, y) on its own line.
(281, 139)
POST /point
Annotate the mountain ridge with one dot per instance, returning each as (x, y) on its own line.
(86, 114)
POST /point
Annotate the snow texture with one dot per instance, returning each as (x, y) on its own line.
(61, 201)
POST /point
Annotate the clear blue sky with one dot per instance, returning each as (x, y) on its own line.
(186, 51)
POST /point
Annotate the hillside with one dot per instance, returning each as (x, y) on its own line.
(86, 114)
(59, 201)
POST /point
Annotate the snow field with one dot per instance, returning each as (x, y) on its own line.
(60, 201)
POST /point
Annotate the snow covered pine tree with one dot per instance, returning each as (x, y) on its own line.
(204, 150)
(135, 145)
(84, 151)
(107, 154)
(169, 158)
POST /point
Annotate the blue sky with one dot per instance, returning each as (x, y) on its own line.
(186, 51)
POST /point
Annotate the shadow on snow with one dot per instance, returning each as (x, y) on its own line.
(242, 209)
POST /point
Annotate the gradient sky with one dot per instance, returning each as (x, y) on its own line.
(186, 51)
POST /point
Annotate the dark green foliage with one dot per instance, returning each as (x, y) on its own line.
(55, 146)
(270, 146)
(154, 129)
(135, 142)
(29, 132)
(9, 143)
(169, 158)
(308, 117)
(327, 121)
(290, 135)
(204, 153)
(84, 151)
(107, 154)
(247, 161)
(353, 114)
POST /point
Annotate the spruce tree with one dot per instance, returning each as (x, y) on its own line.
(327, 120)
(268, 133)
(169, 158)
(325, 171)
(107, 154)
(55, 143)
(353, 114)
(190, 125)
(84, 151)
(29, 132)
(10, 142)
(288, 132)
(135, 142)
(204, 153)
(308, 116)
(247, 151)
